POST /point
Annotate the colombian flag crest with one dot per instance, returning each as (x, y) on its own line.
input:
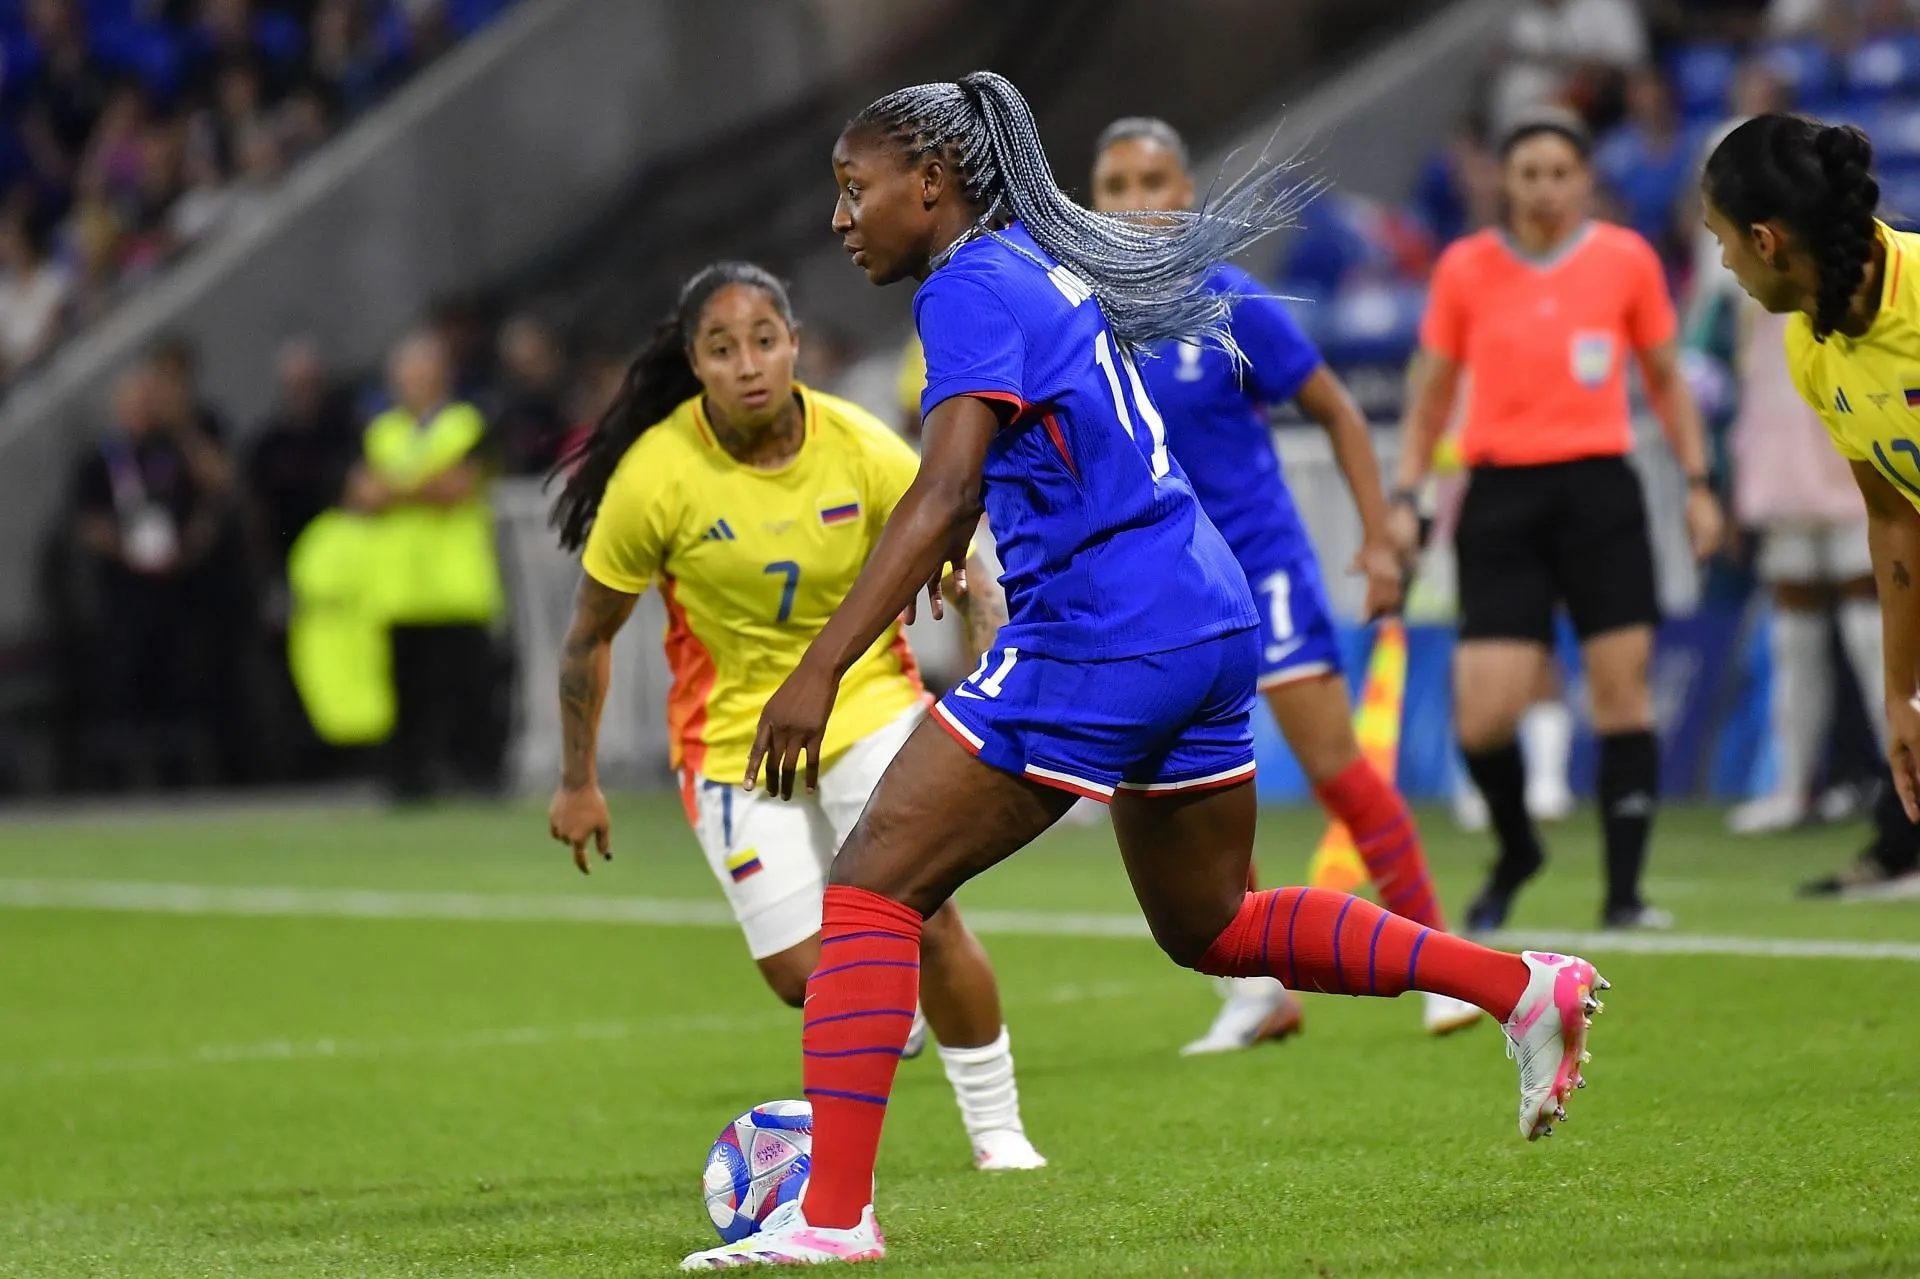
(839, 508)
(744, 864)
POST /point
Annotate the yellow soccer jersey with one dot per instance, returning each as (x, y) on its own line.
(752, 563)
(1867, 389)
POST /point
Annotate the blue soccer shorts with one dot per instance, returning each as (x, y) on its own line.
(1297, 639)
(1173, 721)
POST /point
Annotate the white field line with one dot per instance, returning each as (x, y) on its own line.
(333, 1049)
(353, 903)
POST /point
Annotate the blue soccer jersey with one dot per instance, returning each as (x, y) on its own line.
(1105, 550)
(1218, 429)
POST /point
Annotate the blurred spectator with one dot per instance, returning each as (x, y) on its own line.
(1345, 236)
(70, 92)
(221, 590)
(530, 413)
(300, 455)
(94, 246)
(147, 502)
(297, 470)
(1648, 163)
(347, 59)
(1566, 50)
(423, 476)
(1458, 190)
(34, 292)
(460, 323)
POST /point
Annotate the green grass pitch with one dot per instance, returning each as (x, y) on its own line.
(203, 1091)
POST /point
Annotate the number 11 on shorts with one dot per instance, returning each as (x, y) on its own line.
(982, 685)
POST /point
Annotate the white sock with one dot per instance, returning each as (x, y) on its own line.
(982, 1080)
(1546, 741)
(1802, 696)
(1860, 636)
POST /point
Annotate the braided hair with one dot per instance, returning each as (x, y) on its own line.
(659, 380)
(1148, 280)
(1815, 180)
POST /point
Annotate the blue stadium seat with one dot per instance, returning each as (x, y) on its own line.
(469, 16)
(19, 60)
(279, 37)
(1371, 322)
(150, 53)
(1895, 130)
(1884, 66)
(1808, 68)
(1702, 76)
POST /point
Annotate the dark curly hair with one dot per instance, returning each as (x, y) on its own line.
(1814, 179)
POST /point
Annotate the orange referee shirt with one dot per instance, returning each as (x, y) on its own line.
(1544, 343)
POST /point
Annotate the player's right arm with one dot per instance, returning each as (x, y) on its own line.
(626, 549)
(1893, 535)
(1433, 383)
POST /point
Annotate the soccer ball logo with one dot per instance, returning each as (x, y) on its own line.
(759, 1162)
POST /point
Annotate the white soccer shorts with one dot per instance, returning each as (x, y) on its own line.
(771, 855)
(1814, 554)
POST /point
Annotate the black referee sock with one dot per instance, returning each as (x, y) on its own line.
(1501, 775)
(1629, 794)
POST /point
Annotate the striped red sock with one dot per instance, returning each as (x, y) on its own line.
(1312, 939)
(860, 1003)
(1384, 833)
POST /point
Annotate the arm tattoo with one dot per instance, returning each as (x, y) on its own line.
(1901, 578)
(598, 613)
(983, 608)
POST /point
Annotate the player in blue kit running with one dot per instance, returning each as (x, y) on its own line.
(1215, 410)
(1127, 669)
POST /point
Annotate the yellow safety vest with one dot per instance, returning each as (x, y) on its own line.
(337, 635)
(438, 565)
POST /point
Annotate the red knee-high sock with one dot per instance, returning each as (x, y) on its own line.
(1312, 939)
(1384, 834)
(860, 1003)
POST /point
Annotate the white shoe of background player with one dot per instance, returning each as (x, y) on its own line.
(1256, 1008)
(1444, 1014)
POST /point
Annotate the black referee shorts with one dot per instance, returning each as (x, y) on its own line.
(1572, 533)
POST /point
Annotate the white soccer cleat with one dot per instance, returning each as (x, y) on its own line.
(1470, 810)
(1256, 1008)
(1444, 1014)
(1547, 1036)
(1549, 800)
(916, 1036)
(1005, 1150)
(1767, 815)
(787, 1240)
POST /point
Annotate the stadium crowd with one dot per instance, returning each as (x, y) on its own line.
(133, 130)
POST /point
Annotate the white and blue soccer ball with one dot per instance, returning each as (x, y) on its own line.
(758, 1162)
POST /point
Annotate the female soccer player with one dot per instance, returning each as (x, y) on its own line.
(1542, 316)
(1127, 671)
(1214, 408)
(753, 501)
(1792, 203)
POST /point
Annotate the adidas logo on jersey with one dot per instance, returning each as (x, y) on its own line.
(1840, 404)
(720, 532)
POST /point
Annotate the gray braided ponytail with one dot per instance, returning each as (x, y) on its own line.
(1147, 279)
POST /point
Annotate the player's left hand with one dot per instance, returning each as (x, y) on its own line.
(1706, 524)
(578, 817)
(952, 572)
(793, 723)
(1380, 563)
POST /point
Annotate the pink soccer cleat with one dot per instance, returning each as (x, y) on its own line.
(1547, 1036)
(787, 1240)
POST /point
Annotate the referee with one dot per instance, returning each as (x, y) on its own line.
(1539, 318)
